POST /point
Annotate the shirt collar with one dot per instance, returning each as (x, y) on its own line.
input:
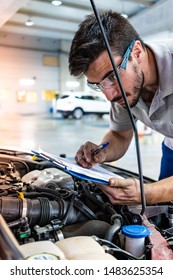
(164, 60)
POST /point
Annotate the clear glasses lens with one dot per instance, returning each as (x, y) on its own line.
(95, 87)
(109, 80)
(106, 83)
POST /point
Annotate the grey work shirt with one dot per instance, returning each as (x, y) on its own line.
(159, 115)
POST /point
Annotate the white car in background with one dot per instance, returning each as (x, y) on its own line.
(79, 104)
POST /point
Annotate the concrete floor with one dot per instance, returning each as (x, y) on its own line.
(57, 136)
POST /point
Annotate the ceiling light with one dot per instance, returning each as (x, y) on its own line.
(29, 22)
(56, 3)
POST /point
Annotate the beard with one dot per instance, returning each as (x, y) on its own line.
(137, 89)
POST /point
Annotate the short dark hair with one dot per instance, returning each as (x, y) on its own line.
(88, 43)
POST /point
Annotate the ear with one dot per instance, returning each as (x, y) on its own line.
(137, 51)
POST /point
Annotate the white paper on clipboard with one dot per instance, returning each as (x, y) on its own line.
(95, 174)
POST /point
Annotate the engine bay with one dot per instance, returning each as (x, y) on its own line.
(41, 204)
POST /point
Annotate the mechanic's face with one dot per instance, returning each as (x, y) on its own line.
(101, 75)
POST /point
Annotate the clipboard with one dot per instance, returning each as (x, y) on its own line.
(96, 174)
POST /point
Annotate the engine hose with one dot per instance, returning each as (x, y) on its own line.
(112, 230)
(32, 195)
(50, 191)
(64, 222)
(44, 214)
(83, 208)
(39, 211)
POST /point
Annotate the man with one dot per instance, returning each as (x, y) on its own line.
(146, 72)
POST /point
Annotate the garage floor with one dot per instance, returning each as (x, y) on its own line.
(59, 136)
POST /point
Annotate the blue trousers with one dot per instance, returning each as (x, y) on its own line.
(166, 168)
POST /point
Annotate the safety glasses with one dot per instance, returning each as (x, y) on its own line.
(111, 78)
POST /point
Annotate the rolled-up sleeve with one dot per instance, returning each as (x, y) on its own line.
(119, 118)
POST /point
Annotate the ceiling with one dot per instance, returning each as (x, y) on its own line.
(52, 23)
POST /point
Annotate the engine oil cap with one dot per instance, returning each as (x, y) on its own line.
(135, 231)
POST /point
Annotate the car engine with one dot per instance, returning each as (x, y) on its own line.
(41, 204)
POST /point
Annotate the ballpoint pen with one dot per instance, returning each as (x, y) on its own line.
(99, 148)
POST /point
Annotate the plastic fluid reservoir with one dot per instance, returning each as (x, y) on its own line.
(135, 238)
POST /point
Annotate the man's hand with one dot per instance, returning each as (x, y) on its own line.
(84, 155)
(123, 191)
